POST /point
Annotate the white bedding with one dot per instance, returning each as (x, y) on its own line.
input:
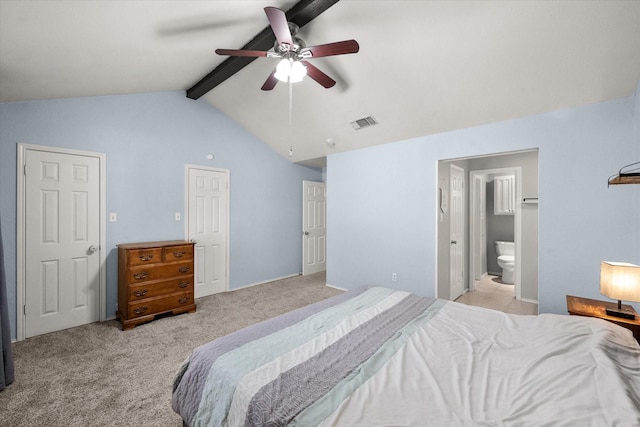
(380, 357)
(471, 366)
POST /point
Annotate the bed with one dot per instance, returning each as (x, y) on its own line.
(380, 357)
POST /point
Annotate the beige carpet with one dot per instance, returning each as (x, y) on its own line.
(97, 375)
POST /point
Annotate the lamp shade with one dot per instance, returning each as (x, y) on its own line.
(298, 71)
(620, 280)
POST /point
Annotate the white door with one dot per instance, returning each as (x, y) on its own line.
(208, 226)
(62, 241)
(314, 233)
(456, 233)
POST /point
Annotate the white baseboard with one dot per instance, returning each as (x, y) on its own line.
(336, 287)
(266, 281)
(532, 301)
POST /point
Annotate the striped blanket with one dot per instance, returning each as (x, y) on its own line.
(379, 357)
(297, 366)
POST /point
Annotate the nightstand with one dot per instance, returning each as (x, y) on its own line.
(595, 308)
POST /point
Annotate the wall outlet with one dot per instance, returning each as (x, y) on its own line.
(394, 277)
(177, 216)
(113, 217)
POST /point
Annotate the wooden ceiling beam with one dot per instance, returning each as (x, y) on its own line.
(300, 14)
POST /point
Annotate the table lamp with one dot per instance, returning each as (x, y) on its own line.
(621, 281)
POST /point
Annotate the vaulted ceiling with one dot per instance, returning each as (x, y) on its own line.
(423, 67)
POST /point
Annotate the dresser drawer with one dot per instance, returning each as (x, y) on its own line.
(160, 304)
(178, 253)
(154, 278)
(141, 274)
(145, 256)
(154, 289)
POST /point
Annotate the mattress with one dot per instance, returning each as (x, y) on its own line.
(380, 357)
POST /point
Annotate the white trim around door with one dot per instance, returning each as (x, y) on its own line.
(207, 207)
(21, 231)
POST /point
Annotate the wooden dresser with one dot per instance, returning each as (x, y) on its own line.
(154, 278)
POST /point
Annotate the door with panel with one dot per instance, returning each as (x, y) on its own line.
(314, 233)
(208, 226)
(62, 241)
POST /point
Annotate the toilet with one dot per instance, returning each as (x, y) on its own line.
(506, 260)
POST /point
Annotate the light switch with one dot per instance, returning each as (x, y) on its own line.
(113, 217)
(177, 216)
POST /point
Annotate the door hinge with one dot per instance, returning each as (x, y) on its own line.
(24, 170)
(24, 309)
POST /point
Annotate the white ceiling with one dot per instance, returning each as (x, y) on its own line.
(424, 67)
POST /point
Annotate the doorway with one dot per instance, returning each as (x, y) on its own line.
(484, 221)
(207, 224)
(61, 281)
(481, 246)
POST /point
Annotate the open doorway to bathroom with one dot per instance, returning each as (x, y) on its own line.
(495, 227)
(501, 198)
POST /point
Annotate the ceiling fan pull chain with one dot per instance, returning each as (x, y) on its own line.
(290, 103)
(290, 121)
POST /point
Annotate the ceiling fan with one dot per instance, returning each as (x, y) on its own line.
(294, 54)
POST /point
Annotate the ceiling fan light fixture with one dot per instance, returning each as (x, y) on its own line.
(283, 70)
(287, 46)
(290, 70)
(298, 71)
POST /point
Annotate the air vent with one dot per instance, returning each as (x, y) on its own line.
(363, 123)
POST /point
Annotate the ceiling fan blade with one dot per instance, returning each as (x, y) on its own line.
(337, 48)
(271, 81)
(240, 52)
(319, 76)
(279, 25)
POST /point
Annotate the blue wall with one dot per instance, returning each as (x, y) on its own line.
(382, 201)
(148, 139)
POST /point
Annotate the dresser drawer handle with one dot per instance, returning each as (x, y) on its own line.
(140, 310)
(183, 300)
(179, 254)
(140, 276)
(184, 269)
(145, 257)
(141, 292)
(183, 284)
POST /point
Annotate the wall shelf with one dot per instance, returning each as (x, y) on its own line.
(629, 174)
(632, 178)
